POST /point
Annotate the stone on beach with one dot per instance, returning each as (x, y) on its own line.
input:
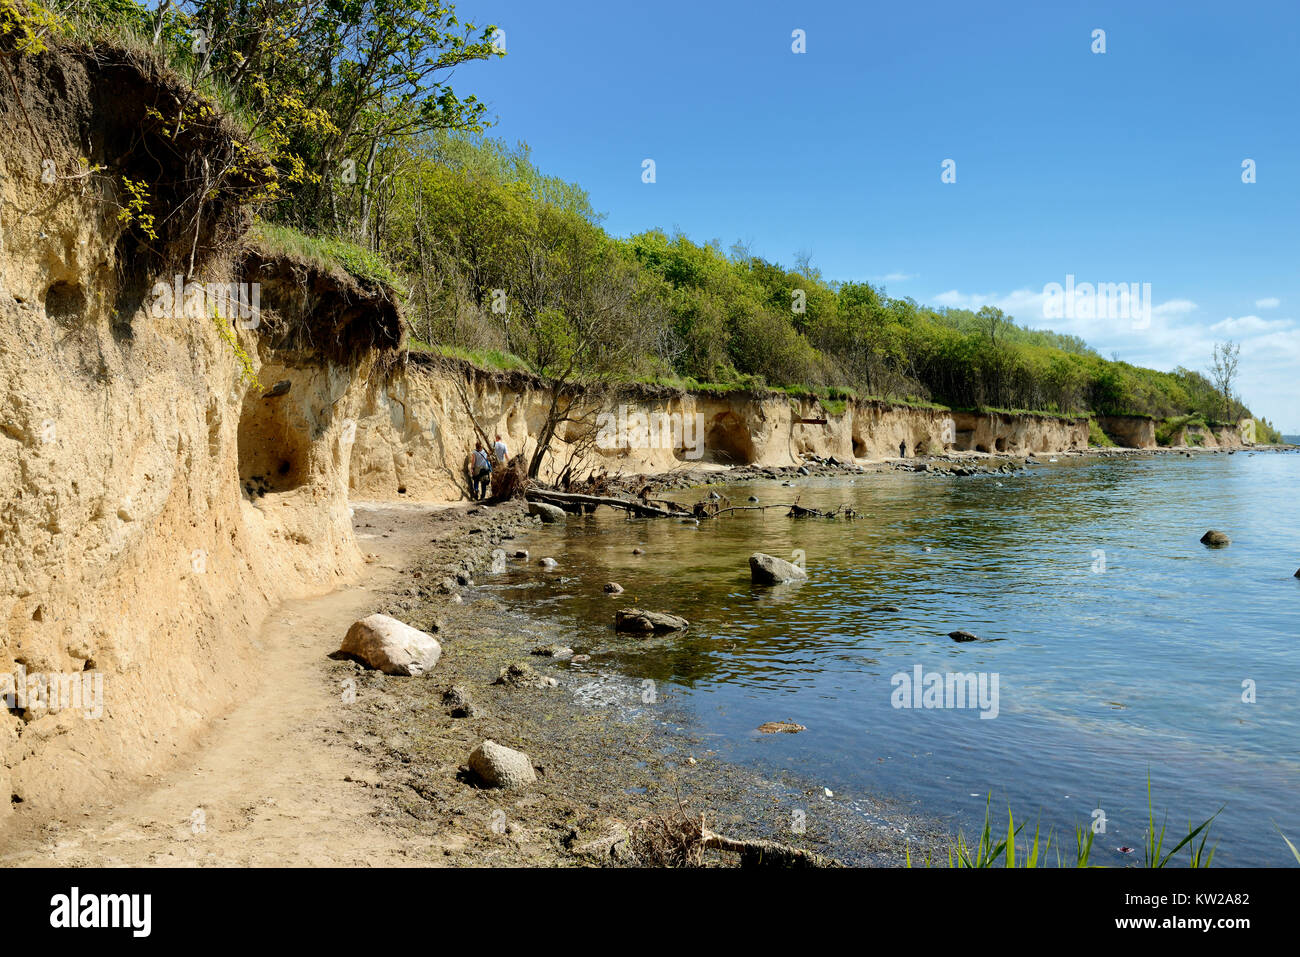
(391, 646)
(646, 622)
(767, 570)
(552, 651)
(1216, 539)
(522, 675)
(455, 697)
(501, 767)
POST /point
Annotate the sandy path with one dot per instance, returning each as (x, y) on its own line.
(267, 784)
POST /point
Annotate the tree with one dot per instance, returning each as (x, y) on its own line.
(340, 81)
(1223, 371)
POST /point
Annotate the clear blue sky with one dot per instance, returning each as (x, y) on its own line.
(1115, 167)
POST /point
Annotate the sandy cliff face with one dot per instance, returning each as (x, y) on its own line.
(1129, 431)
(135, 562)
(414, 429)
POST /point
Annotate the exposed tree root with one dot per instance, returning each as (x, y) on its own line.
(679, 840)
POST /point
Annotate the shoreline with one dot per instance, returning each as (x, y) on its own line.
(380, 780)
(603, 759)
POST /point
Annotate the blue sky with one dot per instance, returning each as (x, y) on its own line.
(1123, 166)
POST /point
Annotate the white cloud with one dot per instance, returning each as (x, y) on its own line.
(1174, 307)
(895, 277)
(1021, 303)
(1250, 325)
(1270, 348)
(1271, 302)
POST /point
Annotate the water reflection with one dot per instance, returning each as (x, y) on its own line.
(1120, 641)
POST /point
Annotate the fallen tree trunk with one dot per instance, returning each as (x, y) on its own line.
(576, 498)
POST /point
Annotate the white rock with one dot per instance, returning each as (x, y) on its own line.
(546, 512)
(391, 646)
(501, 767)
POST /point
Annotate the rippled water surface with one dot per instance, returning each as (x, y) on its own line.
(1120, 643)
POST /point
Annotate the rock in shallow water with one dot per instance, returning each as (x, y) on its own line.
(550, 514)
(766, 570)
(391, 646)
(646, 622)
(962, 636)
(781, 727)
(1215, 539)
(613, 588)
(501, 767)
(552, 651)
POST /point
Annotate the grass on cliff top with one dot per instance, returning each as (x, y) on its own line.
(328, 253)
(834, 399)
(109, 24)
(491, 359)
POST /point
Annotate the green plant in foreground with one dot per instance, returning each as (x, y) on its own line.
(987, 851)
(1294, 853)
(984, 853)
(1083, 838)
(1154, 842)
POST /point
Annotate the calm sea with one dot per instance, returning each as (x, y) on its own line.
(1121, 646)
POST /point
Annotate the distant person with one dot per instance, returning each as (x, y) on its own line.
(902, 450)
(500, 450)
(480, 472)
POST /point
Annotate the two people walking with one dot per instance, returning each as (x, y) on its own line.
(481, 465)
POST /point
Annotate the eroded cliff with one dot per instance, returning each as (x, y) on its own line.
(176, 458)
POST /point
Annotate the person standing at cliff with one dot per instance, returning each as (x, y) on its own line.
(480, 471)
(500, 450)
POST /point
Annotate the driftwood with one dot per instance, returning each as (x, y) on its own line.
(680, 840)
(576, 498)
(645, 508)
(763, 853)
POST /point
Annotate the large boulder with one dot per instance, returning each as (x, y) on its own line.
(767, 570)
(647, 622)
(1214, 539)
(500, 767)
(391, 646)
(550, 514)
